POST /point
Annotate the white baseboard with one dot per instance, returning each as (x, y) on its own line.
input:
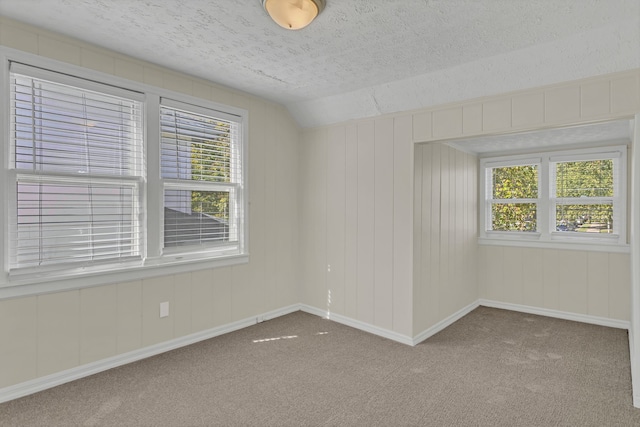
(635, 385)
(279, 312)
(49, 381)
(584, 318)
(357, 324)
(58, 378)
(444, 323)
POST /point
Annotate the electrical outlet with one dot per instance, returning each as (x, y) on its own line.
(164, 309)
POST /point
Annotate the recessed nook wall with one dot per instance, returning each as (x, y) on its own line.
(445, 233)
(355, 233)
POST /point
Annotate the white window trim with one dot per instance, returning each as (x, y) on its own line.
(235, 188)
(155, 262)
(545, 237)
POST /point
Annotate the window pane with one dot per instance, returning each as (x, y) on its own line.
(585, 218)
(61, 223)
(78, 142)
(196, 147)
(585, 179)
(60, 128)
(513, 217)
(195, 217)
(515, 182)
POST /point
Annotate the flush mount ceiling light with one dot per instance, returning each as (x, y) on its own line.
(293, 14)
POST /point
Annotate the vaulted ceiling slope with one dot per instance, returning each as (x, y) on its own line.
(360, 58)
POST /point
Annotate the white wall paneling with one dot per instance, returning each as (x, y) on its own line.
(364, 198)
(313, 221)
(351, 222)
(352, 219)
(402, 226)
(383, 223)
(581, 282)
(445, 205)
(634, 332)
(366, 222)
(336, 220)
(600, 98)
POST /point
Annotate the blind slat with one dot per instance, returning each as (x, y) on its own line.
(58, 132)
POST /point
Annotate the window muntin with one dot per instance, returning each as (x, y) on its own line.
(76, 156)
(578, 194)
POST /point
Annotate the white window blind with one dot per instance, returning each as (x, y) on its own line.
(202, 177)
(77, 161)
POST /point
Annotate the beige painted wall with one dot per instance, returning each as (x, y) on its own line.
(590, 283)
(355, 221)
(582, 101)
(445, 233)
(352, 186)
(344, 188)
(44, 334)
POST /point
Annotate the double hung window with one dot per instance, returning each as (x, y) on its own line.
(76, 161)
(514, 196)
(202, 183)
(571, 196)
(103, 179)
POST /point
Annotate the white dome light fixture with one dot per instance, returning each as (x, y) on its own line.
(293, 14)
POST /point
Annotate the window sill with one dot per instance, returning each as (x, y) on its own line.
(27, 285)
(599, 246)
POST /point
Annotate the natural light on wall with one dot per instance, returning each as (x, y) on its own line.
(293, 14)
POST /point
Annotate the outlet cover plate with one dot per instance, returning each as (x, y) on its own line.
(164, 309)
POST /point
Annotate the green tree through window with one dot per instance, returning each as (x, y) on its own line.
(583, 180)
(211, 161)
(514, 182)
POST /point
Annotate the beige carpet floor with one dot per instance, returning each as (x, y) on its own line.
(491, 368)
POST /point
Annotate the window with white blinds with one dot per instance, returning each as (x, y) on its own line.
(105, 177)
(77, 162)
(202, 178)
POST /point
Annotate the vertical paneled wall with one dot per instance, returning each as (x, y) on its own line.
(445, 239)
(45, 334)
(338, 221)
(589, 100)
(355, 229)
(590, 283)
(345, 259)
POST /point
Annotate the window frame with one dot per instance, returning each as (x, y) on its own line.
(154, 261)
(546, 235)
(486, 184)
(234, 187)
(134, 180)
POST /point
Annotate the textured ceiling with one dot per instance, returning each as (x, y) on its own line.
(356, 49)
